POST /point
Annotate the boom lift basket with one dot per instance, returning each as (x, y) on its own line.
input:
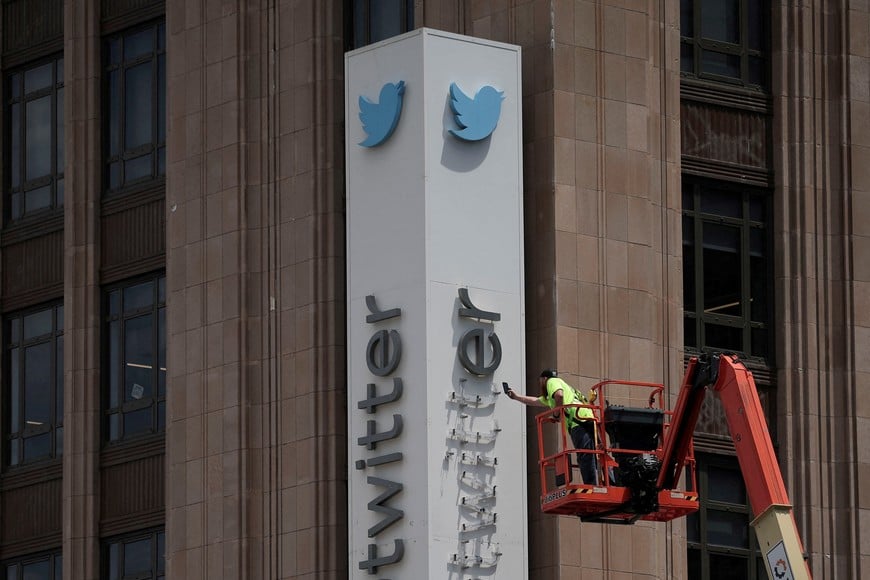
(628, 457)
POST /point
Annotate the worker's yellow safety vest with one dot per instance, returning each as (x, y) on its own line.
(569, 397)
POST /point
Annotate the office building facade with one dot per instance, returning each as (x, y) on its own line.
(174, 371)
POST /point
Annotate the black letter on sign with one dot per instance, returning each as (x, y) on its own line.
(472, 311)
(374, 400)
(372, 437)
(377, 314)
(479, 367)
(389, 358)
(378, 505)
(373, 562)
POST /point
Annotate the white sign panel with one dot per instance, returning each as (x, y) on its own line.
(435, 313)
(777, 561)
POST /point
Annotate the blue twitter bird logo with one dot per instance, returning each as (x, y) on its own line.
(476, 117)
(379, 119)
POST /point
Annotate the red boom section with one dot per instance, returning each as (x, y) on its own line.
(735, 386)
(678, 440)
(745, 417)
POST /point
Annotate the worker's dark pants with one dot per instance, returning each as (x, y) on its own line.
(581, 437)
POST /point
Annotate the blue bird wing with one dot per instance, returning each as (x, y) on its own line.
(463, 106)
(490, 107)
(368, 112)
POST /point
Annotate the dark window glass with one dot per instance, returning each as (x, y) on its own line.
(721, 203)
(727, 529)
(687, 18)
(136, 106)
(37, 78)
(38, 133)
(386, 19)
(693, 561)
(35, 140)
(136, 359)
(688, 264)
(727, 277)
(138, 44)
(720, 20)
(693, 528)
(757, 70)
(722, 273)
(756, 25)
(729, 487)
(761, 342)
(138, 556)
(721, 543)
(375, 20)
(37, 384)
(690, 331)
(723, 337)
(720, 64)
(687, 58)
(41, 567)
(34, 378)
(727, 567)
(757, 272)
(725, 41)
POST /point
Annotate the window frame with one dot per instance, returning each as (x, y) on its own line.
(746, 224)
(55, 425)
(54, 557)
(156, 400)
(358, 26)
(704, 548)
(54, 179)
(698, 43)
(155, 147)
(152, 534)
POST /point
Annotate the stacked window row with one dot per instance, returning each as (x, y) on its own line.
(725, 41)
(139, 556)
(134, 371)
(134, 132)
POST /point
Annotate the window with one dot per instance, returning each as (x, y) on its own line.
(374, 20)
(721, 543)
(136, 557)
(135, 333)
(727, 275)
(34, 375)
(136, 107)
(43, 567)
(725, 40)
(35, 153)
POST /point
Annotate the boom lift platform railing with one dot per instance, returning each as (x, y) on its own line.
(628, 448)
(643, 453)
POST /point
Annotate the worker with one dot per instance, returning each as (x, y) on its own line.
(578, 422)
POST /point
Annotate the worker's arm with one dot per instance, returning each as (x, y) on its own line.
(525, 399)
(536, 401)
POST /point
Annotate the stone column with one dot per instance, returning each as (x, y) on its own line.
(820, 66)
(255, 269)
(81, 290)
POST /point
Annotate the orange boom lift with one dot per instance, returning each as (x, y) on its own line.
(649, 448)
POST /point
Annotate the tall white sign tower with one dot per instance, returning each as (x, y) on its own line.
(435, 312)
